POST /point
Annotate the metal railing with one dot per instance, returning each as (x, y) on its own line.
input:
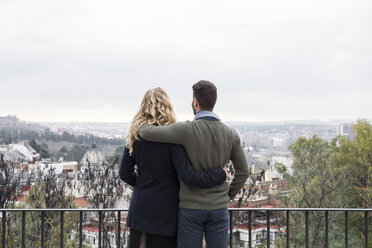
(287, 218)
(61, 212)
(249, 211)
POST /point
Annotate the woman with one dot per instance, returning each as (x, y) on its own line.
(153, 169)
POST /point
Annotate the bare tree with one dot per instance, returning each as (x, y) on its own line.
(104, 189)
(10, 190)
(49, 191)
(10, 183)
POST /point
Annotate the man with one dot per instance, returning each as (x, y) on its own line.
(209, 144)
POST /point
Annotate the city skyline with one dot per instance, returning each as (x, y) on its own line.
(271, 61)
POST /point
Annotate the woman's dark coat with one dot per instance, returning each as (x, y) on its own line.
(154, 203)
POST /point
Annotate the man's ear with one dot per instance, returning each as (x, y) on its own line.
(195, 103)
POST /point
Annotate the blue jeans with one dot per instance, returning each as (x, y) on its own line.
(192, 223)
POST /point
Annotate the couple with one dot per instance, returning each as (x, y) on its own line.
(176, 169)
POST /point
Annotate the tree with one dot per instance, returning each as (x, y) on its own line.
(356, 155)
(42, 149)
(10, 184)
(38, 199)
(331, 174)
(75, 153)
(117, 154)
(10, 188)
(67, 136)
(104, 189)
(317, 181)
(63, 152)
(363, 164)
(262, 243)
(49, 192)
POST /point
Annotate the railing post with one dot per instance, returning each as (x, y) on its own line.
(326, 229)
(23, 229)
(42, 228)
(268, 229)
(61, 232)
(4, 228)
(366, 229)
(307, 228)
(119, 231)
(231, 229)
(287, 227)
(346, 229)
(99, 228)
(81, 229)
(250, 228)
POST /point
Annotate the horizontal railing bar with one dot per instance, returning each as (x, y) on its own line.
(66, 209)
(230, 209)
(303, 209)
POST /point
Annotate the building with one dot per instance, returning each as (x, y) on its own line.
(91, 232)
(64, 167)
(94, 156)
(259, 233)
(14, 155)
(8, 121)
(248, 152)
(345, 129)
(19, 151)
(259, 227)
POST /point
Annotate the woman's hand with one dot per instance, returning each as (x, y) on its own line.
(228, 173)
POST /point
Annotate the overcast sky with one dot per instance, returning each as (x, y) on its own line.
(273, 60)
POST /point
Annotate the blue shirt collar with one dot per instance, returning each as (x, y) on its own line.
(206, 115)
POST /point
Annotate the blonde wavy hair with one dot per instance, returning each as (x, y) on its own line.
(156, 109)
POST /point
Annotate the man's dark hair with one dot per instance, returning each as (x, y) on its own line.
(206, 94)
